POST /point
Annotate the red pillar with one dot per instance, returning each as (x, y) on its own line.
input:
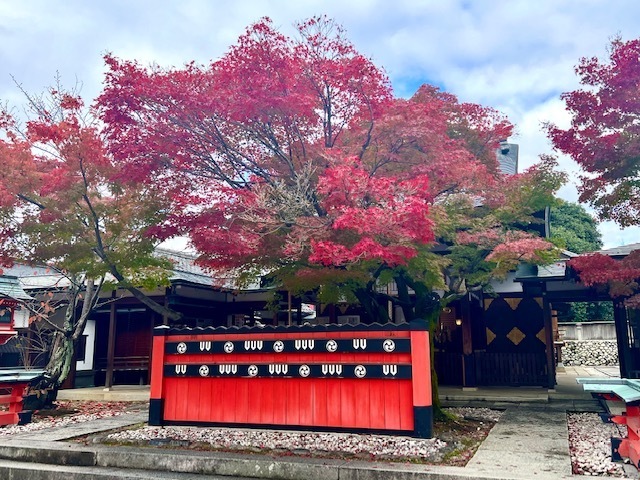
(421, 380)
(156, 397)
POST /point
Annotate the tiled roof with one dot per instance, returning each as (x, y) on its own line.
(40, 277)
(185, 268)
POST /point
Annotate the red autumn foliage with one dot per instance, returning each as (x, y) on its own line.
(620, 276)
(604, 136)
(294, 150)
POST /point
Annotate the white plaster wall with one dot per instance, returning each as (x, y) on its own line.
(90, 332)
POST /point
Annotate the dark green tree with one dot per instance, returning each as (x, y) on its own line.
(574, 227)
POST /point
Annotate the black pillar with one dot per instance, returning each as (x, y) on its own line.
(548, 337)
(111, 345)
(622, 337)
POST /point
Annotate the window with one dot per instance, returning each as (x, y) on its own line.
(81, 348)
(5, 315)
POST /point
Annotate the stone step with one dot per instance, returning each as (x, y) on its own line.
(15, 470)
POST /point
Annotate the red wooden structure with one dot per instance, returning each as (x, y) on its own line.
(7, 307)
(334, 377)
(13, 384)
(626, 391)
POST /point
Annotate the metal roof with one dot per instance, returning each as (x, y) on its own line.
(11, 288)
(621, 251)
(627, 390)
(38, 277)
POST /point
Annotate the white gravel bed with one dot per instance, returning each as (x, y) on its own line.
(590, 445)
(296, 442)
(482, 414)
(303, 442)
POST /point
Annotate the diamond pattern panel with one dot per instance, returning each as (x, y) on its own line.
(513, 302)
(516, 335)
(490, 336)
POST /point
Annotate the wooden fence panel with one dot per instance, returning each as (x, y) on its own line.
(365, 378)
(510, 369)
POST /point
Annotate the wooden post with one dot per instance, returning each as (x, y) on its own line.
(111, 345)
(167, 292)
(421, 381)
(156, 396)
(467, 342)
(548, 336)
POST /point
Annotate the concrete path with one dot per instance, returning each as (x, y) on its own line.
(85, 428)
(119, 393)
(528, 441)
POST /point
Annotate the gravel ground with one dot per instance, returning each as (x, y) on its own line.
(590, 445)
(482, 414)
(300, 443)
(340, 444)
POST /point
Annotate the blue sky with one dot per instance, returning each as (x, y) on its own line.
(514, 55)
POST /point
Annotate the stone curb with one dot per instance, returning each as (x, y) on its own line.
(29, 471)
(129, 459)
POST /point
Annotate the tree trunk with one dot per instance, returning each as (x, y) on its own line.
(59, 363)
(426, 308)
(65, 339)
(375, 311)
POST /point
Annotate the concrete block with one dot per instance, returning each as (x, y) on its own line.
(48, 454)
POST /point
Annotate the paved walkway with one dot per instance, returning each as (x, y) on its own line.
(66, 432)
(530, 441)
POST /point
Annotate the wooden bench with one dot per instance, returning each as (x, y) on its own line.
(627, 391)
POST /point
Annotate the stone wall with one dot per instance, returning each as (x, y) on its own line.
(587, 330)
(590, 352)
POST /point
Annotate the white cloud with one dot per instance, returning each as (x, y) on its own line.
(514, 55)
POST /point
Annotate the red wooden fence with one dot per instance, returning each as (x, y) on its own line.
(340, 378)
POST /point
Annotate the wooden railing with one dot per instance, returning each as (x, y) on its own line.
(449, 368)
(125, 363)
(510, 369)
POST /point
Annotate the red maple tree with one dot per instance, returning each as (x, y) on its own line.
(620, 277)
(60, 206)
(604, 139)
(604, 136)
(291, 154)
